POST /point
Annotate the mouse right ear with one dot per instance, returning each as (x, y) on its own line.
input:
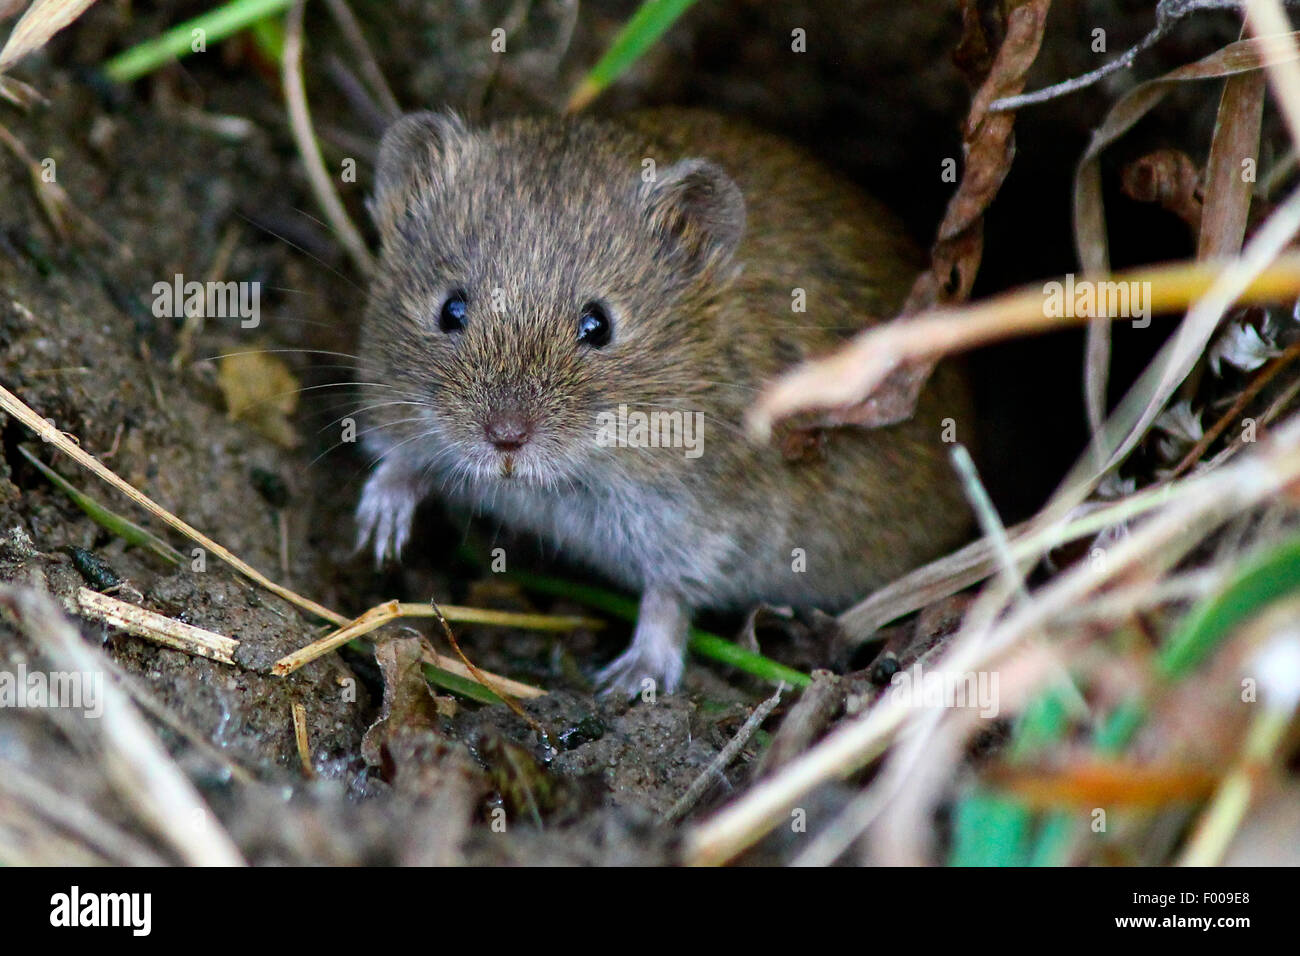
(698, 211)
(417, 153)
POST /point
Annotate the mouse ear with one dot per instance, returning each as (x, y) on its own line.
(694, 206)
(418, 152)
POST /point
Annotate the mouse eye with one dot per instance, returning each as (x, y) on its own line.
(595, 326)
(452, 316)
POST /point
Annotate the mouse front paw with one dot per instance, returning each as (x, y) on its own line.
(638, 670)
(654, 660)
(386, 510)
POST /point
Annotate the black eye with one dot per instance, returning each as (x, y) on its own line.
(595, 327)
(452, 316)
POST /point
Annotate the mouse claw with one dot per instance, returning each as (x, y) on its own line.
(653, 663)
(630, 675)
(385, 514)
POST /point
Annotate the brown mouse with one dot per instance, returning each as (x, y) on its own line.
(549, 285)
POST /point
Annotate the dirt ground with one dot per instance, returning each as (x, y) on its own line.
(178, 193)
(193, 172)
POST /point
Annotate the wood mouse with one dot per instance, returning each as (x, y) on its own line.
(544, 282)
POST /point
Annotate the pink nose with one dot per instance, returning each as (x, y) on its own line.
(507, 432)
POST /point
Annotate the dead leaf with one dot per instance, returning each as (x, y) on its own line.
(43, 19)
(409, 704)
(989, 146)
(20, 94)
(1169, 178)
(1235, 143)
(1090, 239)
(1095, 783)
(807, 721)
(417, 760)
(260, 389)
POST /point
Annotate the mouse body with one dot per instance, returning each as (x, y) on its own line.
(570, 318)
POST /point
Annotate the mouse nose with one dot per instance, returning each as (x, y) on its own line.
(507, 432)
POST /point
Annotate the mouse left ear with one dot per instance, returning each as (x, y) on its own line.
(696, 208)
(418, 153)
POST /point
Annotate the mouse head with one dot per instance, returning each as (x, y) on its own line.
(535, 275)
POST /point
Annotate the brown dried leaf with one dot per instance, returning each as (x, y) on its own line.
(260, 389)
(20, 94)
(1244, 56)
(1227, 190)
(989, 147)
(807, 721)
(409, 704)
(1095, 783)
(1169, 178)
(43, 19)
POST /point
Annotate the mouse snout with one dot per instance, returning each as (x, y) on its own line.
(508, 431)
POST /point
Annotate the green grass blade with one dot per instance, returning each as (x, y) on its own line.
(1268, 578)
(647, 25)
(703, 643)
(110, 521)
(216, 25)
(1053, 840)
(460, 685)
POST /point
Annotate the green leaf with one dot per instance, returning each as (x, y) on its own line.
(647, 25)
(1268, 578)
(111, 521)
(460, 685)
(213, 26)
(989, 830)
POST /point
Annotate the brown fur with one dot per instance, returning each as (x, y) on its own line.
(697, 268)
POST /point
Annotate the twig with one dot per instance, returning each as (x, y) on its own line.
(728, 753)
(351, 30)
(983, 641)
(69, 446)
(156, 627)
(1030, 539)
(1168, 13)
(155, 708)
(322, 186)
(1267, 20)
(1247, 395)
(42, 20)
(78, 819)
(995, 531)
(852, 372)
(204, 643)
(481, 676)
(300, 738)
(383, 613)
(135, 760)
